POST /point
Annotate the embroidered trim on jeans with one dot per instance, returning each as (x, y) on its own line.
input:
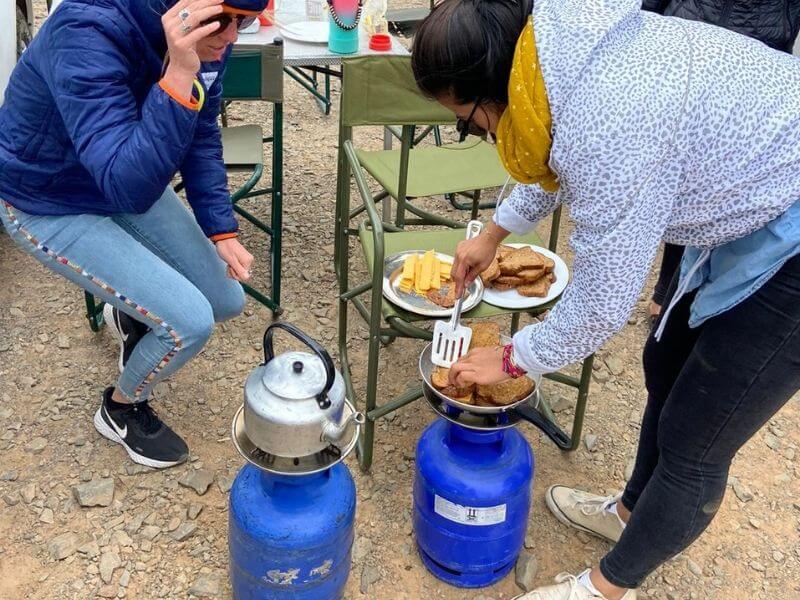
(110, 290)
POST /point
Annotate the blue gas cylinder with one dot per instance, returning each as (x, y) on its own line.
(472, 494)
(291, 536)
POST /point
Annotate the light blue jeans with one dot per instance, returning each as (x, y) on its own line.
(158, 267)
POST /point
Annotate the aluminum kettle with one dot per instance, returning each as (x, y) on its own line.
(294, 403)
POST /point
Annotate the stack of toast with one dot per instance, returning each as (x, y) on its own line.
(521, 269)
(484, 335)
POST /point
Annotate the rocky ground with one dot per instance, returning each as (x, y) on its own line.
(79, 520)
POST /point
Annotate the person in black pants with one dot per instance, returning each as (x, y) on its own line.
(774, 22)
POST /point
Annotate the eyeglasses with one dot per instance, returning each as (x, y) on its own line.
(225, 19)
(467, 127)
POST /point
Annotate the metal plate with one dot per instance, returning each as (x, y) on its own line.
(304, 465)
(392, 274)
(513, 300)
(426, 368)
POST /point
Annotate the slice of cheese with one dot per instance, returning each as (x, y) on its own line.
(436, 280)
(446, 267)
(425, 272)
(409, 265)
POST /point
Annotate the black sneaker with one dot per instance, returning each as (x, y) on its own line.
(144, 436)
(127, 330)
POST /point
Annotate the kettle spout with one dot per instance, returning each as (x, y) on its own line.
(333, 432)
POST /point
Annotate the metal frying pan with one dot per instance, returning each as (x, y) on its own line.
(525, 409)
(426, 367)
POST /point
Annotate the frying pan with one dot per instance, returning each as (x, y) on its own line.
(525, 408)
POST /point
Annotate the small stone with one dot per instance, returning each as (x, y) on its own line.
(782, 479)
(63, 545)
(757, 566)
(98, 492)
(629, 469)
(122, 539)
(173, 524)
(36, 445)
(755, 523)
(590, 440)
(198, 480)
(772, 441)
(90, 549)
(28, 492)
(150, 532)
(600, 376)
(742, 492)
(530, 541)
(107, 591)
(206, 586)
(369, 575)
(11, 498)
(525, 571)
(694, 568)
(63, 342)
(778, 556)
(9, 475)
(184, 532)
(225, 482)
(136, 469)
(194, 510)
(615, 365)
(125, 578)
(108, 562)
(559, 404)
(46, 516)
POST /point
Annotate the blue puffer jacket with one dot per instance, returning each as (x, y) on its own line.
(85, 127)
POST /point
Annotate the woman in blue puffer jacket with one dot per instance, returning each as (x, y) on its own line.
(109, 102)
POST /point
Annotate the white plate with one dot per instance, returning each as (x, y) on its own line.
(512, 299)
(311, 32)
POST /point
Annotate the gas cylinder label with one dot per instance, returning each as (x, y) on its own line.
(469, 515)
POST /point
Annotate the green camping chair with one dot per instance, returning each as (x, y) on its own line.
(381, 91)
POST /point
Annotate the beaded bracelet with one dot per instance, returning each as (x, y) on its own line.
(509, 366)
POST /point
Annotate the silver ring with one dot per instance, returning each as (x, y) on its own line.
(185, 28)
(184, 14)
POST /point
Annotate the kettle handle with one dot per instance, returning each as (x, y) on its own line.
(330, 372)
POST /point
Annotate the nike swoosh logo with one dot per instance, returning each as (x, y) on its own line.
(124, 336)
(120, 432)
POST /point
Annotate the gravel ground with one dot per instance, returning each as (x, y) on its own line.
(79, 520)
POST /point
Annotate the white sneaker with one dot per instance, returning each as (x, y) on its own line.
(588, 512)
(568, 587)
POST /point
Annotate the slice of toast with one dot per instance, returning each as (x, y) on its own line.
(444, 297)
(521, 259)
(531, 275)
(549, 264)
(485, 335)
(537, 289)
(492, 272)
(507, 392)
(503, 287)
(440, 377)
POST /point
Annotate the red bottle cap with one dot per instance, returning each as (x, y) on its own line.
(380, 42)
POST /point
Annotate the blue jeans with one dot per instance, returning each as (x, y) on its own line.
(158, 267)
(710, 389)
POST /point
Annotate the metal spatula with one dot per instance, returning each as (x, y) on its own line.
(450, 338)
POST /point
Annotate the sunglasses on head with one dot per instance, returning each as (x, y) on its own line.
(467, 126)
(225, 19)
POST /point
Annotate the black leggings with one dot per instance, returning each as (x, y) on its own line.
(670, 261)
(710, 389)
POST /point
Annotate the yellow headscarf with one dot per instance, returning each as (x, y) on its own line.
(523, 133)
